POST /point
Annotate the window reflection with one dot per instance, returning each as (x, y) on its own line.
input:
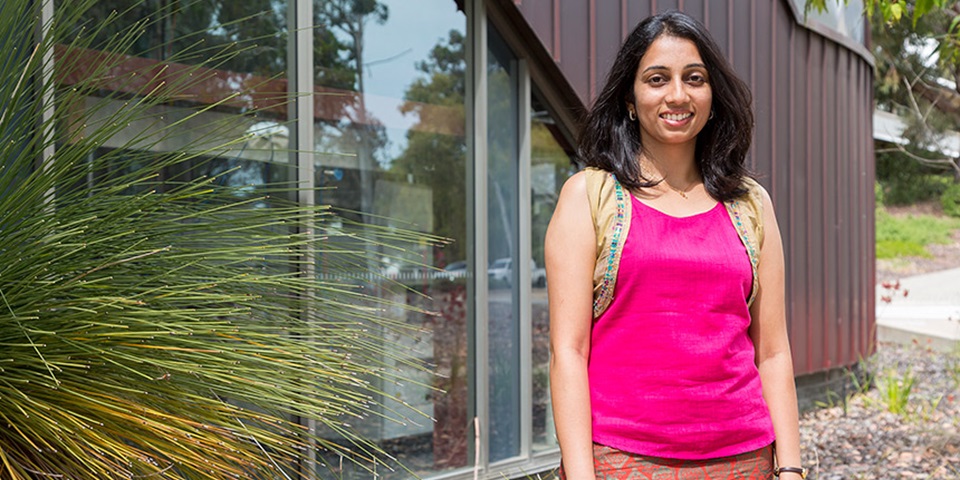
(846, 19)
(243, 48)
(390, 139)
(502, 222)
(551, 165)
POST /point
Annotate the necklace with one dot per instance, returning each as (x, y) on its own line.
(682, 193)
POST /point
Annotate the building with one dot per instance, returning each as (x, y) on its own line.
(458, 118)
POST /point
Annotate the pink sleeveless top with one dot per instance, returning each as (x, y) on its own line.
(671, 367)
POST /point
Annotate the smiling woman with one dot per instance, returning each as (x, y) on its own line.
(666, 277)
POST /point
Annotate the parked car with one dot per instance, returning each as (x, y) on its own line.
(454, 270)
(501, 272)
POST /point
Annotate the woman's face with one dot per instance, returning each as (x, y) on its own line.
(672, 92)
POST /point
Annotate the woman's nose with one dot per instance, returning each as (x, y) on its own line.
(676, 93)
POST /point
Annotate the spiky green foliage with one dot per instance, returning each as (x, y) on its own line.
(165, 329)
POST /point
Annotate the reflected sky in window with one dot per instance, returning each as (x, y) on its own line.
(391, 53)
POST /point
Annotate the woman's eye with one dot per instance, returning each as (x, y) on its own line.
(697, 79)
(656, 80)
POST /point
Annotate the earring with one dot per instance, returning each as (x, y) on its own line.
(711, 115)
(632, 115)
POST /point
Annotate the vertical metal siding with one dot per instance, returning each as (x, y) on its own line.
(608, 37)
(575, 41)
(813, 147)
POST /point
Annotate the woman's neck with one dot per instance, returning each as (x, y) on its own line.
(674, 164)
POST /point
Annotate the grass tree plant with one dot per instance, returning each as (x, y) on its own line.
(162, 326)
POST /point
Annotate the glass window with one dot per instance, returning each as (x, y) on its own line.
(390, 152)
(551, 164)
(846, 19)
(243, 48)
(503, 149)
(390, 84)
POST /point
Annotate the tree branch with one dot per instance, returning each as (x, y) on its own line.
(953, 163)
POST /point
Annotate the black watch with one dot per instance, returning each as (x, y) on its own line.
(801, 471)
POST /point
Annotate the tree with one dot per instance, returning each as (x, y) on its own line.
(366, 133)
(438, 159)
(918, 72)
(891, 10)
(172, 27)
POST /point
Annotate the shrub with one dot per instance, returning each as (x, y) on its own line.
(906, 181)
(918, 189)
(950, 199)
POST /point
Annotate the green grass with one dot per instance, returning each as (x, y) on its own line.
(909, 236)
(895, 391)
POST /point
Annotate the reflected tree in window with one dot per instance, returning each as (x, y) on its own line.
(436, 156)
(171, 35)
(257, 27)
(344, 22)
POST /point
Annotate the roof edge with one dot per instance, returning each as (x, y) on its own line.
(568, 107)
(831, 34)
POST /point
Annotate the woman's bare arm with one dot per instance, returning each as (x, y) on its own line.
(570, 250)
(769, 333)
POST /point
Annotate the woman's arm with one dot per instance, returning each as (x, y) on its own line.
(769, 333)
(570, 250)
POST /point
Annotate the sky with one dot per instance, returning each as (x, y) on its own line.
(391, 51)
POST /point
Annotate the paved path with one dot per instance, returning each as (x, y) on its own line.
(929, 312)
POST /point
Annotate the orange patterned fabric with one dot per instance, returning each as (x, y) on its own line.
(612, 464)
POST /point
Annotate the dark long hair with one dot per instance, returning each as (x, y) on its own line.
(610, 141)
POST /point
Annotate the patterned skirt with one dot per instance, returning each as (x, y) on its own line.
(612, 464)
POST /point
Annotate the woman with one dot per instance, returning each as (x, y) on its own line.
(666, 278)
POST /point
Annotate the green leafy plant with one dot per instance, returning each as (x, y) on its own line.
(860, 380)
(159, 324)
(895, 391)
(950, 200)
(927, 408)
(953, 366)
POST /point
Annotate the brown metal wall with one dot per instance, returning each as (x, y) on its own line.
(813, 149)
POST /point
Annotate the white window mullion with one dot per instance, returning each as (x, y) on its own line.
(301, 146)
(46, 92)
(477, 61)
(525, 251)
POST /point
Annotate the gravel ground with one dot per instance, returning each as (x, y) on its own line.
(942, 257)
(860, 438)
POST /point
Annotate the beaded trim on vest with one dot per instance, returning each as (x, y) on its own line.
(733, 208)
(603, 297)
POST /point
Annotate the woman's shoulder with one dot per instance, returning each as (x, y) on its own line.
(575, 183)
(754, 191)
(751, 184)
